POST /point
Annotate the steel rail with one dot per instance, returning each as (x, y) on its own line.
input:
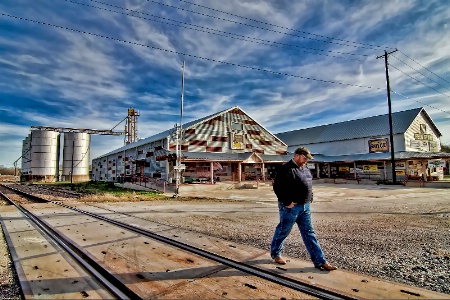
(249, 269)
(115, 286)
(306, 288)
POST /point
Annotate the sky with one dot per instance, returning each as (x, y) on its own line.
(288, 64)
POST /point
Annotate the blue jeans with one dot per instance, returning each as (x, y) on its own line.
(301, 215)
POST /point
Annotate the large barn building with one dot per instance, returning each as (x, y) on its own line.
(226, 146)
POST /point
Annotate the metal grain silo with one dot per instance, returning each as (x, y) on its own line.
(76, 156)
(26, 155)
(44, 155)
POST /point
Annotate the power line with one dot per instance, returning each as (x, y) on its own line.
(419, 81)
(207, 30)
(274, 25)
(189, 55)
(257, 27)
(420, 102)
(423, 66)
(420, 73)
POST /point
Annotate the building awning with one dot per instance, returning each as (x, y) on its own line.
(382, 156)
(234, 157)
(318, 158)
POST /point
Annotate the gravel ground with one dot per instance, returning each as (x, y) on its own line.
(397, 234)
(9, 287)
(400, 235)
(398, 248)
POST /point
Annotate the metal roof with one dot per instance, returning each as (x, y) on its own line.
(275, 158)
(167, 133)
(360, 128)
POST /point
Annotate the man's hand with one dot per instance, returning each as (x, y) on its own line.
(290, 205)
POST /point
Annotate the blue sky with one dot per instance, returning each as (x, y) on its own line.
(233, 50)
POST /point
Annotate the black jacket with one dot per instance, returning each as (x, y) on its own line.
(293, 184)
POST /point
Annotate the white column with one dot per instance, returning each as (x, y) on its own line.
(212, 172)
(239, 171)
(263, 172)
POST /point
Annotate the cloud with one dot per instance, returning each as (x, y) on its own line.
(57, 77)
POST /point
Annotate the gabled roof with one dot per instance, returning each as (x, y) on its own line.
(167, 133)
(360, 128)
(193, 123)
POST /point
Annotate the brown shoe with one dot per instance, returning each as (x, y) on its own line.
(326, 267)
(279, 260)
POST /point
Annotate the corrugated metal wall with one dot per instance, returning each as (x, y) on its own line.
(44, 154)
(76, 156)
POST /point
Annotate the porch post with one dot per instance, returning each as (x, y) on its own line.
(239, 171)
(354, 169)
(329, 170)
(317, 171)
(424, 170)
(263, 171)
(384, 168)
(212, 172)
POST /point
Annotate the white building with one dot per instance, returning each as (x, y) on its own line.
(362, 147)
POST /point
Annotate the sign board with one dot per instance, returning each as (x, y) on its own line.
(434, 147)
(400, 172)
(378, 145)
(436, 163)
(311, 166)
(400, 165)
(423, 136)
(370, 168)
(181, 167)
(420, 145)
(237, 141)
(344, 169)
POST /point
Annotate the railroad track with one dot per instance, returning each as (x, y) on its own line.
(120, 287)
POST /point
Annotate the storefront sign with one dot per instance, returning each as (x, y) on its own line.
(420, 145)
(344, 169)
(400, 172)
(379, 145)
(400, 165)
(436, 163)
(237, 141)
(423, 136)
(370, 168)
(311, 166)
(434, 147)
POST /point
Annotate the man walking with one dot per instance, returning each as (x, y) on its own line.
(293, 187)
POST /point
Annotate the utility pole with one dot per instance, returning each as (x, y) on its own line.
(178, 137)
(391, 135)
